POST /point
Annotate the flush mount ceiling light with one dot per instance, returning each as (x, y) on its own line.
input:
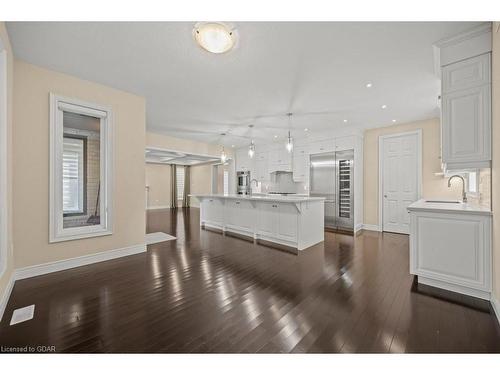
(215, 37)
(384, 106)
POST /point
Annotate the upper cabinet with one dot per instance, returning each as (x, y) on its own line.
(465, 69)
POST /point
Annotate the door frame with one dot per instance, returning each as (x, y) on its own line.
(381, 139)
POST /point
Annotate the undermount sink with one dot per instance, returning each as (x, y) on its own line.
(441, 201)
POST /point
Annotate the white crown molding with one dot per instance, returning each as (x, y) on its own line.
(469, 34)
(4, 299)
(61, 265)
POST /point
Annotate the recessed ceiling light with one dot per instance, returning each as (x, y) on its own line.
(306, 130)
(368, 85)
(393, 120)
(214, 37)
(384, 106)
(275, 136)
(232, 146)
(345, 120)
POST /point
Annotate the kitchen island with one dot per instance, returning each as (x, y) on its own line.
(296, 222)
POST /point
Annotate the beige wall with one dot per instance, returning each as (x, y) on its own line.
(4, 279)
(496, 159)
(158, 180)
(32, 86)
(432, 186)
(158, 176)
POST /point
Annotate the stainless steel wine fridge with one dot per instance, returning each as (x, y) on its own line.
(332, 177)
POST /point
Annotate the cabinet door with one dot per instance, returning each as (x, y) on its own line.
(452, 247)
(466, 74)
(243, 161)
(344, 143)
(267, 225)
(322, 146)
(300, 167)
(466, 125)
(239, 214)
(213, 211)
(261, 170)
(287, 222)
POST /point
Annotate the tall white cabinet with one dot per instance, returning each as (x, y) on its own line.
(465, 69)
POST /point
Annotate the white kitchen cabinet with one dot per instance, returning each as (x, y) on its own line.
(239, 215)
(261, 171)
(280, 160)
(243, 161)
(212, 212)
(466, 127)
(319, 147)
(451, 250)
(297, 223)
(345, 143)
(287, 222)
(267, 224)
(467, 73)
(300, 168)
(465, 62)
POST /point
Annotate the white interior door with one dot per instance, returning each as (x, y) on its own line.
(400, 173)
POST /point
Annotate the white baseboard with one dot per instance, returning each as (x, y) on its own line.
(157, 207)
(6, 295)
(61, 265)
(373, 227)
(496, 306)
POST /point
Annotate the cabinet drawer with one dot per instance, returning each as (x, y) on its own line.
(466, 74)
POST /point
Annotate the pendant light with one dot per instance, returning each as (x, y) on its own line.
(251, 149)
(289, 143)
(223, 156)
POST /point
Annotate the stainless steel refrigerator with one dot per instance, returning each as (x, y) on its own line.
(331, 177)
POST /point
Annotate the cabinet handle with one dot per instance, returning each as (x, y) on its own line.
(237, 202)
(210, 200)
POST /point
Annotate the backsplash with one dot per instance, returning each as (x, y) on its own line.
(283, 182)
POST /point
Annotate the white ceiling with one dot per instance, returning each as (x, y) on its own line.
(276, 68)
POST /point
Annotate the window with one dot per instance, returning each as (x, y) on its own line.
(74, 184)
(226, 182)
(80, 169)
(180, 182)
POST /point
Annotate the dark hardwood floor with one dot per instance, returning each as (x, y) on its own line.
(206, 292)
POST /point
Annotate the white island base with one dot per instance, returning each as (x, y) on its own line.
(296, 223)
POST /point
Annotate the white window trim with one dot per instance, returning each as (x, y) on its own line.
(57, 232)
(5, 209)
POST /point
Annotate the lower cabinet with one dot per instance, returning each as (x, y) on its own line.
(212, 211)
(240, 215)
(278, 220)
(452, 251)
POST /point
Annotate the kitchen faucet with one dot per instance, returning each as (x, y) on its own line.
(464, 195)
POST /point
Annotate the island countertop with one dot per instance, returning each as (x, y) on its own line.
(449, 206)
(256, 197)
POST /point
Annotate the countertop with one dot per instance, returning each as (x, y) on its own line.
(261, 197)
(450, 207)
